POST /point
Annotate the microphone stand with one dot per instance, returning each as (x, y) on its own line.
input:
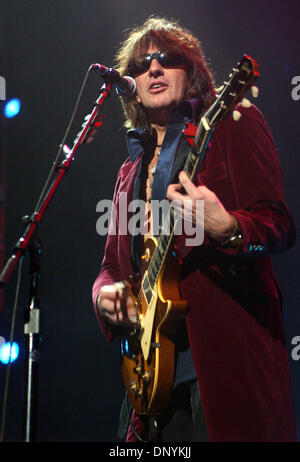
(29, 242)
(32, 324)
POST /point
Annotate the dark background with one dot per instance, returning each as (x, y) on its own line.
(46, 49)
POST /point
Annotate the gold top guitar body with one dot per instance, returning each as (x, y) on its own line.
(148, 353)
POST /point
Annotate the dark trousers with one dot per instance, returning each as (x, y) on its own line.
(183, 420)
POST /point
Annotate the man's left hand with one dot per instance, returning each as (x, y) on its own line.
(218, 223)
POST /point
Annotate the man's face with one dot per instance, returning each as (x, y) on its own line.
(159, 89)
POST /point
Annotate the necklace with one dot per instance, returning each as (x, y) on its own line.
(151, 173)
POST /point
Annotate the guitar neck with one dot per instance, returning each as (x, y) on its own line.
(171, 220)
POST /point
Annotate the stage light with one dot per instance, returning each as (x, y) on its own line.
(12, 108)
(9, 354)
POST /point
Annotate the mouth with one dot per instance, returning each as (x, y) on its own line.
(157, 87)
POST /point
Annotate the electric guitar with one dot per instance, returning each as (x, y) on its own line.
(148, 351)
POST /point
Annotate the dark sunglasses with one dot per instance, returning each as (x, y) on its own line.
(142, 63)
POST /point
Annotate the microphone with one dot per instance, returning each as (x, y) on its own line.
(126, 86)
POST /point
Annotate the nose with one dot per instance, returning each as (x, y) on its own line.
(155, 68)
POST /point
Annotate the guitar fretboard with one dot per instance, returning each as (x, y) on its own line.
(171, 219)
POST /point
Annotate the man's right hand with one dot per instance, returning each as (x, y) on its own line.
(116, 304)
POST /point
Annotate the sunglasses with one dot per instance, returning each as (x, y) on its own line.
(142, 63)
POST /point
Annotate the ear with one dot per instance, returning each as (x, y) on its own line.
(138, 99)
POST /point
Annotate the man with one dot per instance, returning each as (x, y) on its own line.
(232, 379)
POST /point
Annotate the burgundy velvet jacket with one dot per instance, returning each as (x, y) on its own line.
(234, 319)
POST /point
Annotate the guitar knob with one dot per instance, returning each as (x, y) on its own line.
(133, 387)
(146, 377)
(138, 369)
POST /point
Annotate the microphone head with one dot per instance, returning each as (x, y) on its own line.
(130, 91)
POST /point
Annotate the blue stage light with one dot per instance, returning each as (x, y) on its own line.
(8, 354)
(12, 108)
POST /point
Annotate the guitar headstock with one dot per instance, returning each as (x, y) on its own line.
(233, 91)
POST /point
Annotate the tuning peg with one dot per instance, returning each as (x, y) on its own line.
(246, 102)
(236, 115)
(66, 149)
(255, 91)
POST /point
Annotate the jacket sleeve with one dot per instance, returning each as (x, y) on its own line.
(243, 170)
(110, 267)
(255, 175)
